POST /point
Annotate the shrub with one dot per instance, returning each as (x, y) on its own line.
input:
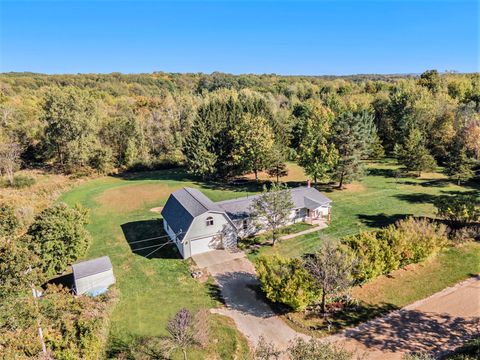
(286, 281)
(75, 327)
(8, 220)
(317, 350)
(423, 238)
(19, 182)
(459, 210)
(368, 250)
(409, 241)
(58, 236)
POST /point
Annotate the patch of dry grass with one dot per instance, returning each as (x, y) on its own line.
(295, 173)
(133, 197)
(46, 190)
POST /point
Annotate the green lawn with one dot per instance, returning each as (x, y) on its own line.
(398, 289)
(378, 200)
(151, 289)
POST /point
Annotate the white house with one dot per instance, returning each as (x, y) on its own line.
(197, 224)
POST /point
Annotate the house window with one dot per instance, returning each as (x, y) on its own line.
(209, 221)
(245, 224)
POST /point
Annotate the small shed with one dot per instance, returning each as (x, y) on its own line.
(93, 276)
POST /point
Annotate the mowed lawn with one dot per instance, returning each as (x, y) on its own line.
(151, 289)
(379, 199)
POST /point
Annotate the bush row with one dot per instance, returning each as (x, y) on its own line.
(409, 241)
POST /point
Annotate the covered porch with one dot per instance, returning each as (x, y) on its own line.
(317, 215)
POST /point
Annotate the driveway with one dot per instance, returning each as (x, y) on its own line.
(238, 284)
(438, 324)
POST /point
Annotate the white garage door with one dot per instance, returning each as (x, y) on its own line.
(202, 245)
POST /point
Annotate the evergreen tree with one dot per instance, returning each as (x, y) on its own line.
(459, 166)
(352, 135)
(211, 147)
(413, 154)
(317, 155)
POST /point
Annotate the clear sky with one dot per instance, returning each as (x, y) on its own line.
(283, 37)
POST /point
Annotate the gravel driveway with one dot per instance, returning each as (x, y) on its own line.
(236, 278)
(436, 324)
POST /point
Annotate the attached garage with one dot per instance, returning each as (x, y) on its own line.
(204, 244)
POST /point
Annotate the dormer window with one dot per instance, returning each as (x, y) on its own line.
(209, 221)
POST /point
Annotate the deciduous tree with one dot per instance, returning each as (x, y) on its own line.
(58, 236)
(9, 160)
(272, 209)
(317, 155)
(253, 143)
(413, 154)
(331, 268)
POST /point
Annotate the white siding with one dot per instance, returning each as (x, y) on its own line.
(209, 235)
(173, 237)
(94, 282)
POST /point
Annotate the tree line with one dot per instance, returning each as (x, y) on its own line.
(221, 126)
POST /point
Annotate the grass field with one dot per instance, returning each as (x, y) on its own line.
(152, 289)
(378, 200)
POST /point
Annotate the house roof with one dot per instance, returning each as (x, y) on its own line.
(302, 197)
(91, 267)
(186, 204)
(183, 206)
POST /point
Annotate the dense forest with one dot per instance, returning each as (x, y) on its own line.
(222, 125)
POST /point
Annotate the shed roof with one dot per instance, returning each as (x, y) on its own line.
(91, 267)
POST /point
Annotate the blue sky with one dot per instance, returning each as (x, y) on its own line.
(283, 37)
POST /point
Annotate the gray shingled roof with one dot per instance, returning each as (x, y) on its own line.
(302, 197)
(186, 204)
(91, 267)
(183, 206)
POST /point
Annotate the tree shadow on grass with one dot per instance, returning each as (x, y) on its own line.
(418, 198)
(147, 238)
(387, 173)
(215, 292)
(381, 220)
(348, 317)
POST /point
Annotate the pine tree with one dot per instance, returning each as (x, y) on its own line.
(459, 165)
(352, 138)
